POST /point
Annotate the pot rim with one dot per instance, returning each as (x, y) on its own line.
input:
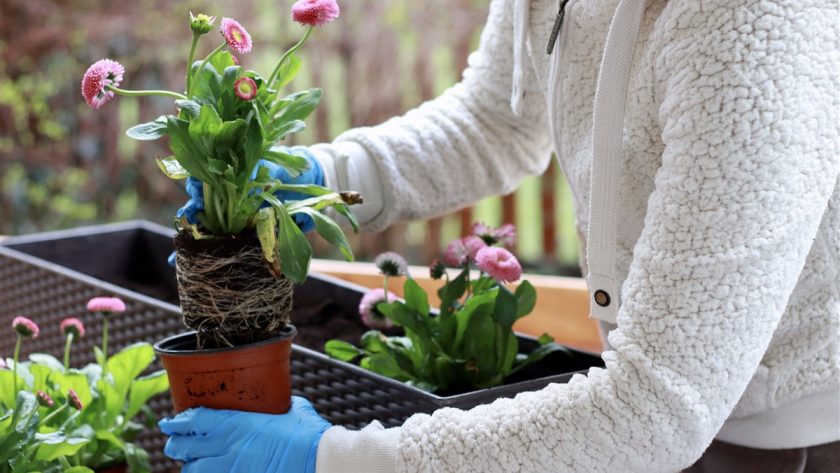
(168, 345)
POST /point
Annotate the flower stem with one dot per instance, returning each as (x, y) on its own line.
(204, 63)
(46, 420)
(105, 345)
(67, 351)
(64, 462)
(17, 357)
(287, 54)
(190, 61)
(385, 285)
(144, 93)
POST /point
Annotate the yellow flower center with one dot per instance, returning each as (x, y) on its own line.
(237, 35)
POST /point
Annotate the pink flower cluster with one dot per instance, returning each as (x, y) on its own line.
(504, 235)
(315, 12)
(96, 80)
(106, 304)
(462, 251)
(367, 308)
(25, 327)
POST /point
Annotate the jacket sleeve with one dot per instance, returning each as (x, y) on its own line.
(749, 120)
(453, 150)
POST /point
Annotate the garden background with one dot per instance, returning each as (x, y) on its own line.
(64, 165)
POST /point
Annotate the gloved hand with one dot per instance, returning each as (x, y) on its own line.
(208, 440)
(313, 175)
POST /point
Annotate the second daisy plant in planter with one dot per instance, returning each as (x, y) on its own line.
(240, 242)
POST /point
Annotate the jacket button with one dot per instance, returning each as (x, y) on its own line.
(602, 298)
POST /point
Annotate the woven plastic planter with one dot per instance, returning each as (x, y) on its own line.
(50, 276)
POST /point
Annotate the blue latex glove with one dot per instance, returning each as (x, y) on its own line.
(313, 175)
(208, 440)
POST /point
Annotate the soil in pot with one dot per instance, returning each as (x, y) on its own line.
(254, 377)
(114, 469)
(227, 293)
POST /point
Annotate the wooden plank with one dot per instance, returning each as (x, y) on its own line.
(562, 308)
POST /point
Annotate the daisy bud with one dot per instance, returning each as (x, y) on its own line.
(437, 269)
(25, 327)
(351, 198)
(44, 399)
(245, 88)
(201, 24)
(74, 401)
(391, 264)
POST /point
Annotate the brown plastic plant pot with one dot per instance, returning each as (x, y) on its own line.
(254, 377)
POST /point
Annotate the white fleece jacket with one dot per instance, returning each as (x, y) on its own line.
(727, 222)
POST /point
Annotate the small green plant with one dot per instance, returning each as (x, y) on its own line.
(470, 342)
(54, 418)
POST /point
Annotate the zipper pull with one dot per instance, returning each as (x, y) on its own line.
(558, 22)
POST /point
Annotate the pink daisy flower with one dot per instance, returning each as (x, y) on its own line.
(106, 304)
(504, 235)
(74, 326)
(237, 38)
(367, 308)
(315, 12)
(245, 88)
(463, 250)
(25, 327)
(391, 264)
(98, 77)
(499, 263)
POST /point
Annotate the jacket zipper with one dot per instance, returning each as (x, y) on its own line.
(558, 23)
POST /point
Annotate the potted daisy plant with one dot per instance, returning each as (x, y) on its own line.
(240, 242)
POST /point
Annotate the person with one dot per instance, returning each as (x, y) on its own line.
(701, 143)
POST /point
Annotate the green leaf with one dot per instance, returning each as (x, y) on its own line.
(47, 360)
(40, 374)
(481, 304)
(295, 251)
(342, 350)
(137, 459)
(206, 124)
(190, 107)
(511, 349)
(294, 164)
(148, 131)
(56, 444)
(453, 291)
(506, 309)
(190, 154)
(111, 438)
(288, 71)
(300, 105)
(267, 233)
(75, 380)
(217, 166)
(329, 231)
(373, 341)
(344, 210)
(281, 130)
(480, 343)
(79, 469)
(172, 168)
(526, 297)
(222, 61)
(143, 389)
(127, 364)
(538, 354)
(415, 297)
(386, 366)
(545, 339)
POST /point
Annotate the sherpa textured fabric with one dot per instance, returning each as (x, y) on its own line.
(729, 229)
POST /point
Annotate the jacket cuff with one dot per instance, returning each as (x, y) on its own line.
(370, 450)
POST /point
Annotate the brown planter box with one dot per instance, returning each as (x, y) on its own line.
(50, 276)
